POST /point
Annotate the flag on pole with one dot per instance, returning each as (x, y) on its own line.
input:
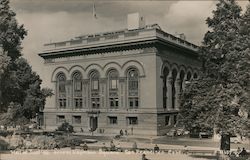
(94, 11)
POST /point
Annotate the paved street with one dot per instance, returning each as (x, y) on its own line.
(81, 155)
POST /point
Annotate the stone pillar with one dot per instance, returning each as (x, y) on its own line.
(177, 93)
(184, 82)
(122, 93)
(169, 92)
(166, 94)
(85, 93)
(69, 94)
(103, 93)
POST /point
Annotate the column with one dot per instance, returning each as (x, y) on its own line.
(169, 92)
(69, 94)
(184, 82)
(177, 94)
(85, 84)
(121, 94)
(164, 95)
(103, 91)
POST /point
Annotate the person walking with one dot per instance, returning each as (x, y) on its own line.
(144, 157)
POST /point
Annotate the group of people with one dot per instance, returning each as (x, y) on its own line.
(241, 153)
(125, 132)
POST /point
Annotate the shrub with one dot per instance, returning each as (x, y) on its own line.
(66, 127)
(5, 133)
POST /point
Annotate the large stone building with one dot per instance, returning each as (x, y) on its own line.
(128, 79)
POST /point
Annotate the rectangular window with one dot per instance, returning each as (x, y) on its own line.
(77, 119)
(114, 103)
(60, 119)
(175, 119)
(132, 120)
(167, 120)
(133, 102)
(112, 120)
(78, 103)
(95, 102)
(62, 103)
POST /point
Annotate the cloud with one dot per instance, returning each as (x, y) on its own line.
(59, 20)
(189, 17)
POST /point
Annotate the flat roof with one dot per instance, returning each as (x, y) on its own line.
(120, 38)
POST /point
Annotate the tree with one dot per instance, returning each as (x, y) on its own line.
(219, 100)
(21, 96)
(11, 33)
(4, 62)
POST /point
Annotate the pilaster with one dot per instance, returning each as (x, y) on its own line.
(122, 93)
(177, 93)
(103, 93)
(169, 92)
(85, 94)
(69, 94)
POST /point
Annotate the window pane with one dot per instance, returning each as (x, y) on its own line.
(78, 86)
(95, 84)
(136, 102)
(113, 120)
(132, 120)
(111, 102)
(62, 87)
(131, 104)
(60, 119)
(167, 120)
(77, 119)
(113, 84)
(116, 102)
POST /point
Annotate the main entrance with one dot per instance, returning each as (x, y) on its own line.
(93, 123)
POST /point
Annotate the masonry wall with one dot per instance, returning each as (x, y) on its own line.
(142, 59)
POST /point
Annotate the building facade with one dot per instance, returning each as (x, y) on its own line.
(127, 79)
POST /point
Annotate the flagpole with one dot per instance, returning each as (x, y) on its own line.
(94, 10)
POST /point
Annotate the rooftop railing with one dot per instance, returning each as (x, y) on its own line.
(117, 36)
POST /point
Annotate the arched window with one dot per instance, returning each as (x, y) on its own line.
(77, 90)
(94, 82)
(174, 75)
(133, 88)
(165, 89)
(195, 76)
(61, 90)
(113, 89)
(189, 75)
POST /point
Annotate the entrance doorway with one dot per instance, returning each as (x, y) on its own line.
(93, 123)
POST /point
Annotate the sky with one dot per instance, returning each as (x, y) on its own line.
(58, 20)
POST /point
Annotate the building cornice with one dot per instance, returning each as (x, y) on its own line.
(137, 39)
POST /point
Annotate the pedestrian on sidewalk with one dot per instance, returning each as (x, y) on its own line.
(85, 146)
(121, 132)
(144, 157)
(112, 146)
(243, 153)
(156, 148)
(134, 147)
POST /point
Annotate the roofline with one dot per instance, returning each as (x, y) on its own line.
(116, 47)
